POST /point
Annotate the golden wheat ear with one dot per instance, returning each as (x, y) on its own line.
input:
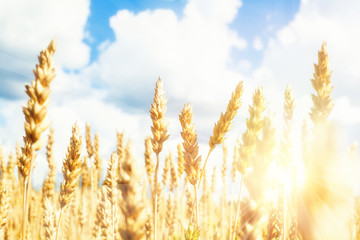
(148, 228)
(321, 82)
(89, 145)
(149, 162)
(110, 187)
(157, 113)
(71, 168)
(225, 122)
(97, 159)
(4, 210)
(174, 176)
(192, 159)
(120, 149)
(36, 108)
(181, 160)
(105, 215)
(160, 135)
(165, 179)
(132, 204)
(253, 129)
(71, 172)
(35, 123)
(48, 190)
(48, 220)
(254, 126)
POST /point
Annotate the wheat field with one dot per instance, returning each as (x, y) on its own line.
(277, 198)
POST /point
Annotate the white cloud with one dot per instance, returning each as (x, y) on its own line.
(244, 65)
(258, 44)
(28, 26)
(290, 55)
(11, 116)
(103, 46)
(346, 112)
(188, 53)
(213, 11)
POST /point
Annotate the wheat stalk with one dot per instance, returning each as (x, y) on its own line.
(189, 204)
(110, 186)
(89, 146)
(2, 162)
(321, 83)
(71, 171)
(82, 211)
(169, 220)
(233, 179)
(35, 118)
(159, 131)
(95, 230)
(120, 149)
(104, 216)
(166, 169)
(71, 168)
(36, 107)
(9, 171)
(148, 227)
(88, 173)
(180, 159)
(275, 221)
(48, 188)
(132, 204)
(48, 220)
(97, 159)
(192, 233)
(192, 158)
(224, 192)
(224, 123)
(253, 129)
(285, 159)
(149, 164)
(157, 113)
(4, 209)
(173, 176)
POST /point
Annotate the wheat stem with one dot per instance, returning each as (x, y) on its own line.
(24, 213)
(197, 206)
(203, 169)
(113, 221)
(238, 207)
(27, 184)
(284, 215)
(156, 196)
(59, 222)
(231, 212)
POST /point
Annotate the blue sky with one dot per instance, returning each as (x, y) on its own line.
(101, 11)
(257, 18)
(110, 54)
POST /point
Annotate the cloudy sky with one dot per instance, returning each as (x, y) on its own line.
(111, 52)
